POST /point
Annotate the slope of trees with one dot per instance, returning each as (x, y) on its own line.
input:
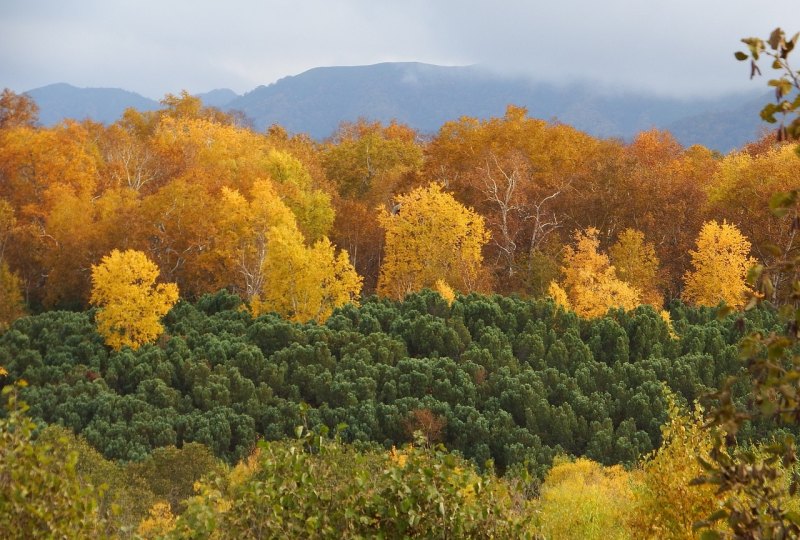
(314, 486)
(204, 198)
(513, 204)
(492, 377)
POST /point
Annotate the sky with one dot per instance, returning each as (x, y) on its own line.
(668, 47)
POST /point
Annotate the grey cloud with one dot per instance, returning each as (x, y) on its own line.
(153, 47)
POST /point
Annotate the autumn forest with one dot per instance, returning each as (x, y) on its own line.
(506, 329)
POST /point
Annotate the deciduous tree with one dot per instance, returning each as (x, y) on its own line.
(720, 262)
(244, 228)
(304, 283)
(740, 192)
(131, 304)
(430, 236)
(515, 171)
(590, 283)
(17, 110)
(636, 264)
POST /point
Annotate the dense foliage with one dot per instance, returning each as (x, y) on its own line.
(493, 377)
(314, 486)
(158, 427)
(216, 205)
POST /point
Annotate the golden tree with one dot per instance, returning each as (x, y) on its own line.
(583, 499)
(636, 264)
(720, 263)
(741, 191)
(244, 227)
(12, 305)
(304, 283)
(431, 236)
(261, 241)
(591, 286)
(131, 304)
(666, 503)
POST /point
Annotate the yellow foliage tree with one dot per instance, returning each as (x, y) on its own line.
(311, 207)
(12, 305)
(304, 283)
(636, 264)
(740, 192)
(583, 499)
(445, 291)
(666, 506)
(431, 236)
(720, 263)
(277, 271)
(131, 304)
(159, 522)
(591, 286)
(244, 233)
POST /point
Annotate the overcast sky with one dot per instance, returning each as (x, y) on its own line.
(673, 47)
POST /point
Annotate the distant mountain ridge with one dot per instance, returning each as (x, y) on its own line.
(425, 96)
(59, 101)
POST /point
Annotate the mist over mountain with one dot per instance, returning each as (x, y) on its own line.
(425, 96)
(219, 98)
(59, 101)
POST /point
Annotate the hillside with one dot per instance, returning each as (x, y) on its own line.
(59, 101)
(425, 96)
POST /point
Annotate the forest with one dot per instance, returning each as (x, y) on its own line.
(506, 329)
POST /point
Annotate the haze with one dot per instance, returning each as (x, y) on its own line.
(676, 48)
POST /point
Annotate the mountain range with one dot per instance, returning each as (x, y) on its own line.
(425, 96)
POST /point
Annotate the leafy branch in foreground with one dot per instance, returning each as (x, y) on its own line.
(760, 482)
(787, 101)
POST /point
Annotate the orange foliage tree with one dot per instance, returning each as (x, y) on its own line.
(516, 171)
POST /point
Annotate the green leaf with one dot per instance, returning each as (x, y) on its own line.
(768, 113)
(793, 516)
(772, 249)
(741, 56)
(780, 203)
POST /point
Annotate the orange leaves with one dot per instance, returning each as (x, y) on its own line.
(131, 304)
(514, 171)
(430, 236)
(33, 161)
(17, 110)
